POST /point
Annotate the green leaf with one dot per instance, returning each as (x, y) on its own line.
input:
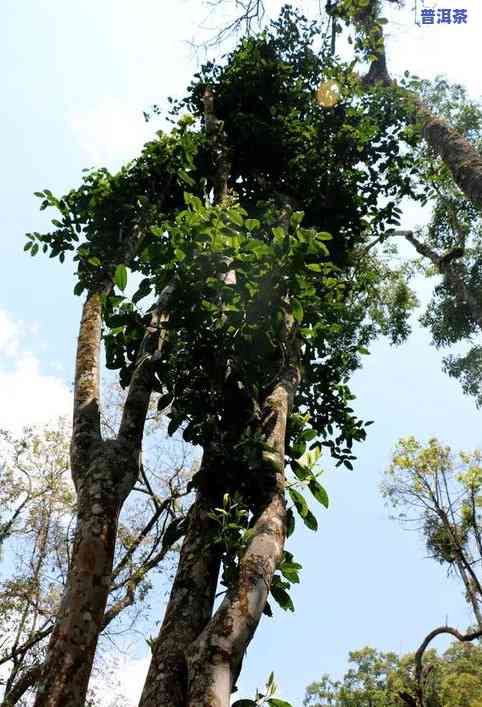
(301, 472)
(164, 401)
(120, 277)
(297, 310)
(244, 703)
(278, 233)
(315, 267)
(290, 523)
(310, 521)
(319, 493)
(267, 611)
(275, 702)
(184, 176)
(296, 218)
(236, 217)
(28, 245)
(196, 203)
(252, 224)
(290, 574)
(282, 597)
(299, 501)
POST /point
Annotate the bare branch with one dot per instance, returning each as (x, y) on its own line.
(251, 12)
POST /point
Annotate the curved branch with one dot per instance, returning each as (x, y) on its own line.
(419, 672)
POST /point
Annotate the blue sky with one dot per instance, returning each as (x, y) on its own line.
(77, 77)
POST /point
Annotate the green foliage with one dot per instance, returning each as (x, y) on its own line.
(375, 679)
(279, 269)
(442, 494)
(264, 698)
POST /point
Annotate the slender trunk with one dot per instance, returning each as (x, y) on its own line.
(74, 639)
(188, 611)
(215, 657)
(475, 526)
(470, 594)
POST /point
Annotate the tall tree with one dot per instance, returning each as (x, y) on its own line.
(431, 489)
(267, 287)
(106, 222)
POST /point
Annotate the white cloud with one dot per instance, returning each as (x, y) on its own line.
(27, 395)
(110, 133)
(10, 335)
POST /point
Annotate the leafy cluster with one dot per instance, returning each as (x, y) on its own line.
(377, 679)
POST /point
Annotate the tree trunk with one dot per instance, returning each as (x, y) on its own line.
(74, 639)
(188, 611)
(215, 657)
(455, 150)
(460, 156)
(104, 472)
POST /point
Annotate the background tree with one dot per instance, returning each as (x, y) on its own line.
(450, 246)
(439, 493)
(377, 679)
(39, 541)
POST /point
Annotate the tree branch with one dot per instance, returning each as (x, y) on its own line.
(137, 401)
(27, 680)
(460, 156)
(419, 676)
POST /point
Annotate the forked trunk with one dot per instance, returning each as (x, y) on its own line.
(104, 472)
(215, 657)
(188, 611)
(74, 639)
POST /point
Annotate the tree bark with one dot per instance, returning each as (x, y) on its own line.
(215, 657)
(460, 156)
(25, 682)
(79, 622)
(188, 611)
